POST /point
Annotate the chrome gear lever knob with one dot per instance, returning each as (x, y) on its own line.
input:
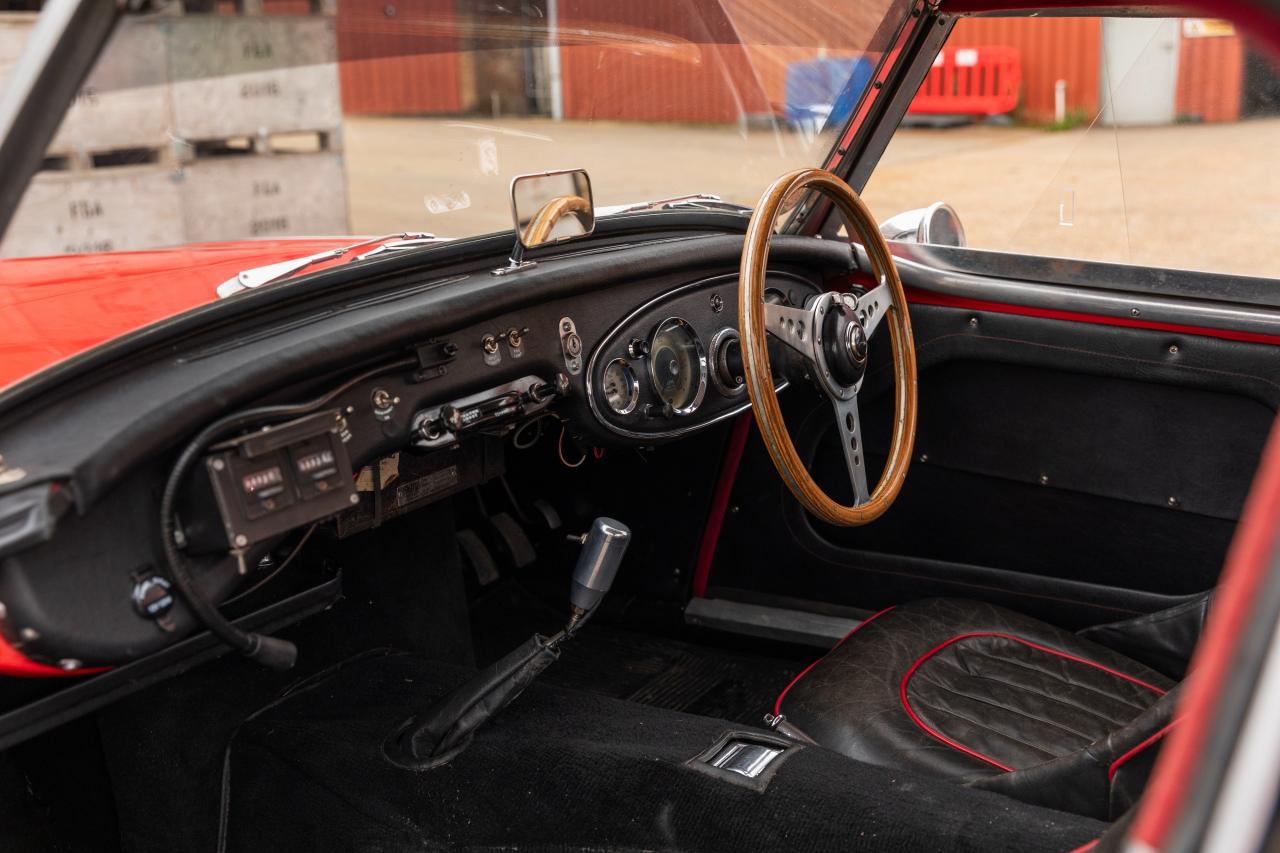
(602, 551)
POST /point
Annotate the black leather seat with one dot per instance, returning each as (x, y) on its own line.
(985, 697)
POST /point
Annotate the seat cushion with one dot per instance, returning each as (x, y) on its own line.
(966, 690)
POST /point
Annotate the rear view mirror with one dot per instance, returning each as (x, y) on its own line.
(938, 224)
(549, 207)
(552, 207)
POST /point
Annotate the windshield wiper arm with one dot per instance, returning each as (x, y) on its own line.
(258, 276)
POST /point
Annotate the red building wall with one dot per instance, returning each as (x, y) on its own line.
(1210, 78)
(1050, 49)
(405, 62)
(715, 60)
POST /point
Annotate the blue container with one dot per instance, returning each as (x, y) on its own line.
(823, 92)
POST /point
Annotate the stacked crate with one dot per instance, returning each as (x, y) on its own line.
(191, 128)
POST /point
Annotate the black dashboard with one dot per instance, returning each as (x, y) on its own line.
(418, 378)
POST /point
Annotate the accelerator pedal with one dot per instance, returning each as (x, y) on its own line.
(478, 556)
(514, 539)
(547, 514)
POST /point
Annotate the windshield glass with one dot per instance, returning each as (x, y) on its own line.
(288, 118)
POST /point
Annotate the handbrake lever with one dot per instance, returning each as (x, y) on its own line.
(444, 731)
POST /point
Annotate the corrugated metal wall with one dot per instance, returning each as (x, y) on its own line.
(654, 61)
(399, 56)
(715, 61)
(1210, 78)
(1051, 49)
(696, 60)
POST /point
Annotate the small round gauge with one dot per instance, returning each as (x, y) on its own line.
(621, 388)
(678, 365)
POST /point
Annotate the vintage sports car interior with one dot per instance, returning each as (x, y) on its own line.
(687, 527)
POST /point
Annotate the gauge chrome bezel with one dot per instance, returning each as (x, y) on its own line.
(702, 364)
(719, 368)
(600, 352)
(633, 387)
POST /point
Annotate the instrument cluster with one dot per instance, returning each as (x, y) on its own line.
(675, 364)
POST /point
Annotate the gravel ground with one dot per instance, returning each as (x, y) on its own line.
(1193, 196)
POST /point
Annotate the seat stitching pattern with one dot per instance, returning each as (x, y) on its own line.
(1011, 662)
(1114, 673)
(936, 734)
(987, 727)
(1109, 722)
(1086, 738)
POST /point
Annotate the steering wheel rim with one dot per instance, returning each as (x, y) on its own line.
(832, 333)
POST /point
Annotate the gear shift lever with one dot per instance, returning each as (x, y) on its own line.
(602, 550)
(444, 731)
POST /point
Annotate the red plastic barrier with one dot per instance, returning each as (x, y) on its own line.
(980, 81)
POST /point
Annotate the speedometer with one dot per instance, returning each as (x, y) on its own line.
(677, 366)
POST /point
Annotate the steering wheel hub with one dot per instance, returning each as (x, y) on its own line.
(843, 342)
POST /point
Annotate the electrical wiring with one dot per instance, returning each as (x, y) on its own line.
(284, 564)
(560, 452)
(525, 445)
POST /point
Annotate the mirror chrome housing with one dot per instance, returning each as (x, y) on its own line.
(938, 224)
(549, 207)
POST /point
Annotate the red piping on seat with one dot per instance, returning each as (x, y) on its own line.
(1115, 765)
(915, 718)
(720, 503)
(1087, 846)
(777, 705)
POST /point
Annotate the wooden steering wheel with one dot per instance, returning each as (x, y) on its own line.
(544, 221)
(832, 333)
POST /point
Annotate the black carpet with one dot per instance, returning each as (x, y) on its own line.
(672, 675)
(637, 667)
(567, 770)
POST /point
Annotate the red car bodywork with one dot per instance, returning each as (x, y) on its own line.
(55, 307)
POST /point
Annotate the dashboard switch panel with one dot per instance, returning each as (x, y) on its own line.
(269, 482)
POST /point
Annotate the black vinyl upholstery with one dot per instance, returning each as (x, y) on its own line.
(979, 695)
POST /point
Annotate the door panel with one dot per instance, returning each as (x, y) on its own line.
(1073, 471)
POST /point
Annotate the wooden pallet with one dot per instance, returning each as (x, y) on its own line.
(255, 196)
(97, 210)
(191, 128)
(196, 78)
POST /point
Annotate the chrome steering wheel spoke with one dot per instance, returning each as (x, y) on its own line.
(793, 326)
(849, 428)
(872, 306)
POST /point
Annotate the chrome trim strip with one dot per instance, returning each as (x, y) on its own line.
(1205, 313)
(653, 303)
(1107, 276)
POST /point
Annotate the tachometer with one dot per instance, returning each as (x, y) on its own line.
(621, 388)
(678, 366)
